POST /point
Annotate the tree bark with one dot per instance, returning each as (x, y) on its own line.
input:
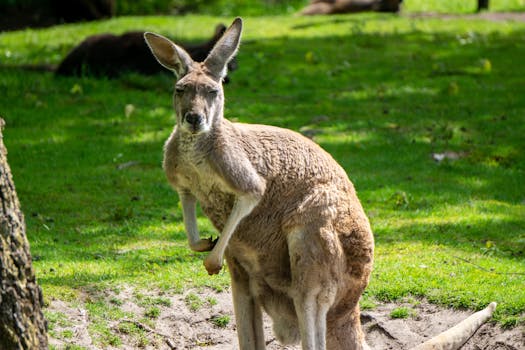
(22, 323)
(483, 5)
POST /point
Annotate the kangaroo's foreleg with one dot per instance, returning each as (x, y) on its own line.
(243, 206)
(189, 213)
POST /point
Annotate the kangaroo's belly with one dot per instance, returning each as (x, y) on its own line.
(217, 206)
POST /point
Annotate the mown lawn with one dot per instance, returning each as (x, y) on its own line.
(381, 93)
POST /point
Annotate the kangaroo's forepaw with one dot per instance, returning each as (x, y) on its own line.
(203, 245)
(212, 265)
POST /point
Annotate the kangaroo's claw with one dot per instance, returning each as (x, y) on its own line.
(204, 245)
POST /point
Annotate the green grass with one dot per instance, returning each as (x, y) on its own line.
(100, 313)
(152, 312)
(402, 312)
(193, 301)
(381, 92)
(262, 7)
(220, 321)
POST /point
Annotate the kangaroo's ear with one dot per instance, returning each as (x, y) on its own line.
(219, 31)
(168, 54)
(224, 50)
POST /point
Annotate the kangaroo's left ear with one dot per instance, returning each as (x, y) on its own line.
(224, 50)
(169, 55)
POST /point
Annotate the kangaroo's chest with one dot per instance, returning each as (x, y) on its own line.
(188, 168)
(200, 179)
(193, 173)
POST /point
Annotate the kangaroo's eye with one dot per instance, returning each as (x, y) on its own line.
(179, 90)
(213, 92)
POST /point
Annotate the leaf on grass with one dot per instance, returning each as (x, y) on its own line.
(447, 155)
(128, 110)
(310, 58)
(76, 90)
(126, 165)
(486, 65)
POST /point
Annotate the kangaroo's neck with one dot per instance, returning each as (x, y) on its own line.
(206, 141)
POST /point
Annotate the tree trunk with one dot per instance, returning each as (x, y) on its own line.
(22, 324)
(483, 5)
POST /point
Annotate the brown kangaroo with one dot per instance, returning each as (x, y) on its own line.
(327, 7)
(296, 239)
(111, 55)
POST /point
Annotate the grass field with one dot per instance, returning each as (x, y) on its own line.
(381, 93)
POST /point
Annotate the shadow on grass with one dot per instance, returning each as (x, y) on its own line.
(489, 236)
(382, 103)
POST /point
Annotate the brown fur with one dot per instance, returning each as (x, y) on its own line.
(296, 239)
(308, 233)
(327, 7)
(110, 55)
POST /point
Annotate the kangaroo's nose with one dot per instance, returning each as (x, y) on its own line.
(193, 118)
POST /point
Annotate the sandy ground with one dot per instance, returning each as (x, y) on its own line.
(179, 327)
(489, 16)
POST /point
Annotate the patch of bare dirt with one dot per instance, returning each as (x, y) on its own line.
(204, 320)
(428, 320)
(489, 16)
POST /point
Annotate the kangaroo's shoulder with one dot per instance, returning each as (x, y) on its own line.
(268, 138)
(283, 146)
(269, 131)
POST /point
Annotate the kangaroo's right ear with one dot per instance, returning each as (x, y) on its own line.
(168, 54)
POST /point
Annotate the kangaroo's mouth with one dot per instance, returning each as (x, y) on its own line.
(194, 122)
(194, 129)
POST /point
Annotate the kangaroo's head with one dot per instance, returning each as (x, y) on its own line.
(199, 97)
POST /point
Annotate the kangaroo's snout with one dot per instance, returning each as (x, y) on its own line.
(194, 119)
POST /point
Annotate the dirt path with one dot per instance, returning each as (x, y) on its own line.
(489, 16)
(204, 320)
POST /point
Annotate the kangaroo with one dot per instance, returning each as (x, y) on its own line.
(295, 237)
(327, 7)
(111, 55)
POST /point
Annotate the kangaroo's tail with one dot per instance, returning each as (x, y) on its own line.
(455, 337)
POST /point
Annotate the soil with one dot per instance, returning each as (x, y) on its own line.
(489, 16)
(190, 321)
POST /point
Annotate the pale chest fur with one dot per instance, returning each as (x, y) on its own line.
(188, 169)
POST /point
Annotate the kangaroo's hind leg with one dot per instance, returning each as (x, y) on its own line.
(313, 287)
(311, 314)
(345, 333)
(248, 315)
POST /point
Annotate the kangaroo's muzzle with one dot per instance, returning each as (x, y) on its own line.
(194, 120)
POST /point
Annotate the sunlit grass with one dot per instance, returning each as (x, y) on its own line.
(381, 93)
